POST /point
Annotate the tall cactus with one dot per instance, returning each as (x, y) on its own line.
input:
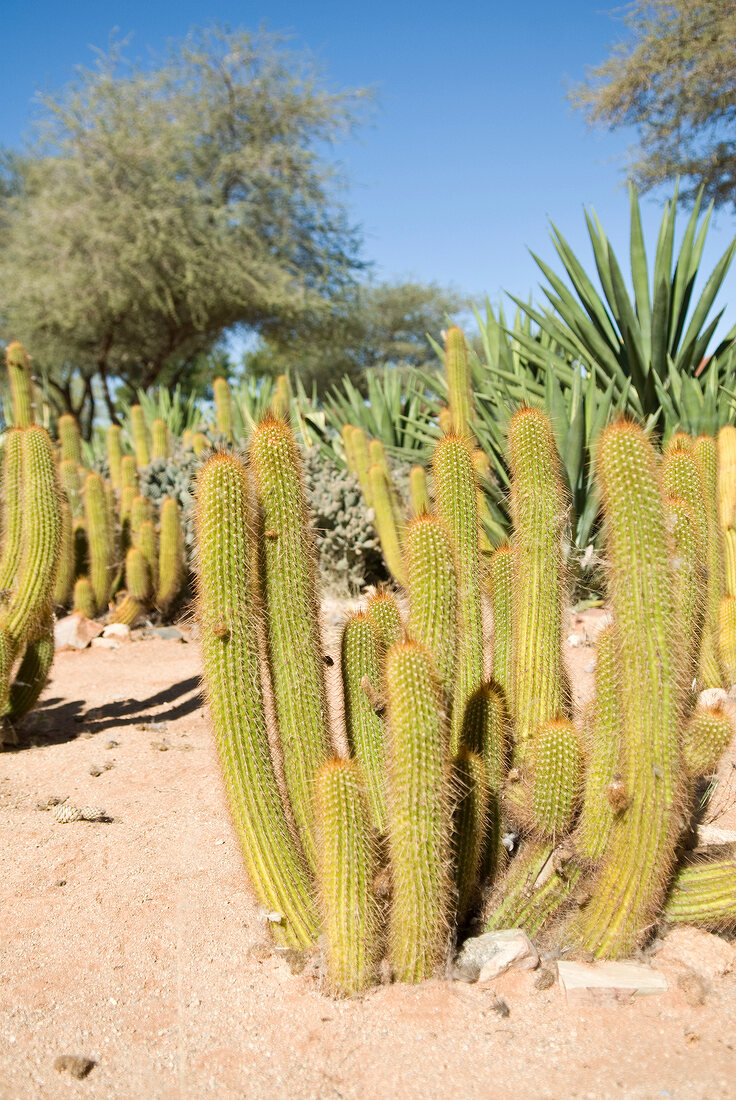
(98, 535)
(432, 584)
(603, 752)
(639, 860)
(115, 454)
(140, 436)
(160, 444)
(69, 439)
(171, 554)
(12, 508)
(706, 457)
(289, 583)
(223, 407)
(228, 611)
(21, 384)
(366, 728)
(458, 382)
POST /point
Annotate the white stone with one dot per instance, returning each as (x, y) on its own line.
(696, 950)
(75, 631)
(117, 630)
(608, 980)
(483, 958)
(105, 643)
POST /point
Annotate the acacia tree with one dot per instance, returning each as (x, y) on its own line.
(674, 78)
(160, 207)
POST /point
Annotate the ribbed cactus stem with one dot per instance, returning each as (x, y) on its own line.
(472, 799)
(640, 856)
(727, 637)
(706, 457)
(444, 418)
(84, 597)
(539, 506)
(115, 454)
(729, 553)
(65, 573)
(228, 613)
(500, 588)
(359, 447)
(377, 457)
(704, 894)
(366, 729)
(160, 445)
(138, 589)
(12, 508)
(432, 585)
(200, 443)
(148, 546)
(69, 438)
(281, 400)
(689, 578)
(385, 522)
(71, 483)
(419, 808)
(383, 612)
(455, 491)
(558, 777)
(141, 511)
(223, 407)
(707, 736)
(482, 467)
(98, 535)
(34, 669)
(30, 602)
(293, 617)
(604, 752)
(139, 430)
(129, 472)
(418, 491)
(727, 477)
(21, 384)
(458, 381)
(347, 866)
(171, 554)
(486, 732)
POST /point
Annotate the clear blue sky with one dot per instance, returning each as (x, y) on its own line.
(472, 147)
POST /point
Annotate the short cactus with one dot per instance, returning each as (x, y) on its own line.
(558, 771)
(223, 407)
(83, 599)
(706, 737)
(160, 445)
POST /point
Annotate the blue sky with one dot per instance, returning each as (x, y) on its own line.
(472, 146)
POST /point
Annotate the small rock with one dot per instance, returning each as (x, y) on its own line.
(94, 770)
(160, 746)
(483, 958)
(49, 803)
(697, 951)
(60, 882)
(75, 631)
(709, 835)
(169, 633)
(105, 643)
(111, 744)
(575, 640)
(119, 631)
(75, 1064)
(584, 982)
(694, 987)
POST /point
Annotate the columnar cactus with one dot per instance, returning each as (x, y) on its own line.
(432, 584)
(603, 785)
(140, 436)
(364, 721)
(69, 439)
(115, 454)
(12, 508)
(385, 520)
(500, 586)
(21, 384)
(98, 535)
(223, 407)
(160, 444)
(458, 381)
(171, 554)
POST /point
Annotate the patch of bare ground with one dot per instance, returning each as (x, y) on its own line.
(135, 943)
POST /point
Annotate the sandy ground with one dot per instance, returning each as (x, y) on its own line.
(137, 943)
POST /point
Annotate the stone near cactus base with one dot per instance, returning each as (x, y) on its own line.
(706, 954)
(105, 643)
(119, 631)
(483, 958)
(75, 631)
(608, 981)
(169, 633)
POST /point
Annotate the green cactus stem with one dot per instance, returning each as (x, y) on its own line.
(346, 868)
(727, 637)
(729, 553)
(66, 572)
(482, 467)
(385, 521)
(689, 582)
(472, 800)
(139, 430)
(455, 491)
(160, 444)
(141, 511)
(727, 478)
(539, 884)
(71, 483)
(707, 736)
(171, 554)
(21, 384)
(290, 588)
(200, 444)
(383, 612)
(500, 587)
(539, 506)
(12, 509)
(228, 614)
(366, 728)
(377, 457)
(98, 536)
(558, 776)
(639, 860)
(417, 769)
(432, 585)
(486, 732)
(115, 454)
(281, 400)
(33, 673)
(706, 457)
(602, 777)
(148, 545)
(704, 894)
(69, 439)
(418, 491)
(138, 589)
(83, 600)
(458, 382)
(129, 472)
(223, 407)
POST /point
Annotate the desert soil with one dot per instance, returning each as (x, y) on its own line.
(137, 943)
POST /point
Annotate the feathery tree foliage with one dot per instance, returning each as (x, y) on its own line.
(674, 79)
(162, 206)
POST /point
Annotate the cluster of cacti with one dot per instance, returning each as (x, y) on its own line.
(31, 543)
(394, 849)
